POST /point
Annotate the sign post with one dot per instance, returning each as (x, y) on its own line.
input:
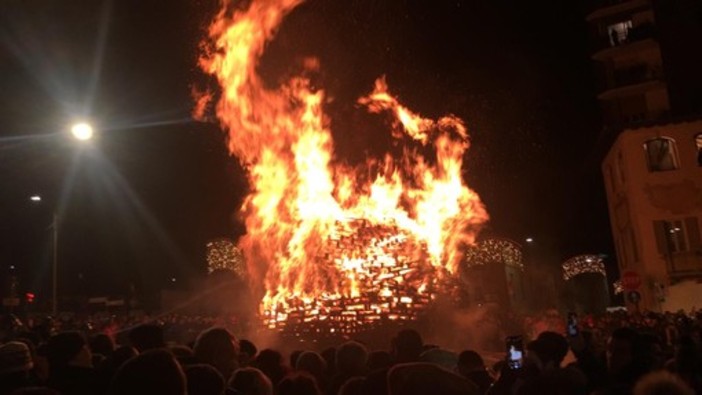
(631, 282)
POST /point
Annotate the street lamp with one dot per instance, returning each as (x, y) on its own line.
(529, 240)
(82, 131)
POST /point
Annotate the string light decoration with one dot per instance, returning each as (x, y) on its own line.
(618, 287)
(494, 250)
(586, 263)
(223, 254)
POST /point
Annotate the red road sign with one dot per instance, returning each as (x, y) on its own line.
(631, 281)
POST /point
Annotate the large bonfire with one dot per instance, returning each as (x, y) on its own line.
(321, 244)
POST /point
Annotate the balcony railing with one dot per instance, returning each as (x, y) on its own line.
(615, 119)
(634, 34)
(598, 4)
(635, 75)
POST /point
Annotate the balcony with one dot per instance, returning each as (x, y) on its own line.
(615, 119)
(636, 38)
(637, 88)
(608, 8)
(634, 75)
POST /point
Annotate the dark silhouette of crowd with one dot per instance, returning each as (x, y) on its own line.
(640, 354)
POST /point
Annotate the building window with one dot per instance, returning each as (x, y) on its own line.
(698, 142)
(676, 236)
(661, 154)
(618, 33)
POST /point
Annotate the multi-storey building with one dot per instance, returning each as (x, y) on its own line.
(650, 64)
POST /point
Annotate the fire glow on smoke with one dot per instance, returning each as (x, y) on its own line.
(321, 244)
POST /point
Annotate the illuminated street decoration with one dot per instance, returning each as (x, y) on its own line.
(580, 264)
(618, 287)
(222, 254)
(494, 250)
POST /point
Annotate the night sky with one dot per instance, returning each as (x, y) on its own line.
(141, 203)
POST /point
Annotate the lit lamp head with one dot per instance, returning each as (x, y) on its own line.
(82, 131)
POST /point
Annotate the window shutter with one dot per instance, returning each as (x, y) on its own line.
(693, 233)
(661, 241)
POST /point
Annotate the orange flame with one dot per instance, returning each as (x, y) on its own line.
(300, 201)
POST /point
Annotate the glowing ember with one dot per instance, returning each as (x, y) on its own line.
(321, 243)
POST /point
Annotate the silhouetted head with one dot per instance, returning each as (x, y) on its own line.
(354, 386)
(662, 383)
(204, 379)
(219, 348)
(622, 349)
(407, 346)
(351, 358)
(551, 348)
(298, 384)
(312, 363)
(247, 352)
(294, 356)
(146, 337)
(470, 361)
(152, 372)
(67, 349)
(15, 358)
(250, 381)
(102, 344)
(270, 362)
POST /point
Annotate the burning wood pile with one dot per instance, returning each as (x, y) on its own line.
(333, 247)
(386, 268)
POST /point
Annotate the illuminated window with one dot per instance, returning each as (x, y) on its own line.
(618, 33)
(661, 154)
(675, 236)
(698, 142)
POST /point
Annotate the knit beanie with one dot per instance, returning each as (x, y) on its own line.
(15, 357)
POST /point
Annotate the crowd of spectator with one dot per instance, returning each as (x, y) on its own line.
(615, 353)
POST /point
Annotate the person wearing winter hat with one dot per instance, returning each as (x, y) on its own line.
(15, 364)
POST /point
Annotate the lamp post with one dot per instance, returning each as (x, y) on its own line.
(54, 256)
(83, 132)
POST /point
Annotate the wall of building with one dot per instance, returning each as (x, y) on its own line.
(683, 296)
(637, 197)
